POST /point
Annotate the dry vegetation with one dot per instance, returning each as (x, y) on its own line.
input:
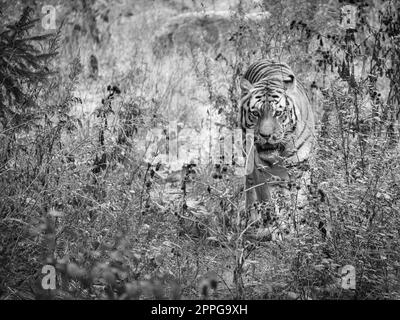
(79, 191)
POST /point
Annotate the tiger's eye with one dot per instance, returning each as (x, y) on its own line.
(278, 113)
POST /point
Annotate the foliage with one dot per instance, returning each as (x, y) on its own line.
(78, 193)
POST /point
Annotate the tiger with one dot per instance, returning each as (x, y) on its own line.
(275, 108)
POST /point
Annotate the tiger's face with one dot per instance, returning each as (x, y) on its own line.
(270, 113)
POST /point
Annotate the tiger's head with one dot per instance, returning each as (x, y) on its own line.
(267, 108)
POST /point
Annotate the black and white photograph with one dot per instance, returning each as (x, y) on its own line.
(218, 151)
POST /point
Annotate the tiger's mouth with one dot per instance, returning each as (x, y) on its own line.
(269, 153)
(265, 147)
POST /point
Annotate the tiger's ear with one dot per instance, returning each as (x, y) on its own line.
(245, 85)
(289, 82)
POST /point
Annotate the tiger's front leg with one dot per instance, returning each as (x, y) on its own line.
(257, 189)
(295, 154)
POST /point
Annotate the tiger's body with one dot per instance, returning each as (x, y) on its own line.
(275, 107)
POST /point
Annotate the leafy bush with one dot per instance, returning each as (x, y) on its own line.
(78, 192)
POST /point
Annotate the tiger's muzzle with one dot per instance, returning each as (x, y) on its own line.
(267, 150)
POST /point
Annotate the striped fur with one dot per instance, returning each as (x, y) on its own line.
(275, 105)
